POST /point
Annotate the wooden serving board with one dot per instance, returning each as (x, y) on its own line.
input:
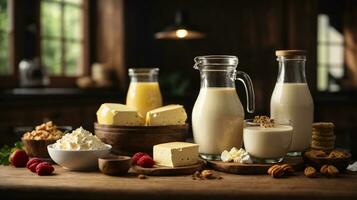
(237, 168)
(168, 171)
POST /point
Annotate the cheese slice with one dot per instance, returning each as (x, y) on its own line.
(166, 115)
(176, 154)
(118, 114)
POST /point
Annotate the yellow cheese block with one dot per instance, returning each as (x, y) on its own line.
(118, 114)
(176, 154)
(166, 115)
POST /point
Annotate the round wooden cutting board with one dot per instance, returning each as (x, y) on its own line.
(237, 168)
(169, 171)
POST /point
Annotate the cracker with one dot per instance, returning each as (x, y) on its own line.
(324, 144)
(323, 138)
(323, 125)
(318, 133)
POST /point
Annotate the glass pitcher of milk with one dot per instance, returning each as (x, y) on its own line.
(217, 116)
(291, 98)
(144, 91)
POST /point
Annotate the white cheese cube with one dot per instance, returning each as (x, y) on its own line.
(176, 154)
(118, 114)
(166, 115)
(226, 156)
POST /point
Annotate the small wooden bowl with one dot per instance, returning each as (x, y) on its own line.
(37, 148)
(114, 165)
(127, 140)
(317, 162)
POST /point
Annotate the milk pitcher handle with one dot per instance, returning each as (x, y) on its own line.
(248, 85)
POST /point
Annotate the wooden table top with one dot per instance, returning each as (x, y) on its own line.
(20, 183)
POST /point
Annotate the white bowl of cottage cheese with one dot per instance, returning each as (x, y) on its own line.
(78, 150)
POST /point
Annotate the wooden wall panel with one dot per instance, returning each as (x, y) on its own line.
(251, 30)
(108, 37)
(302, 33)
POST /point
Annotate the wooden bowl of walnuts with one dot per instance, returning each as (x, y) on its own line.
(317, 158)
(37, 140)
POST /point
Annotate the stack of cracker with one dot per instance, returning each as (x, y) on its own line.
(323, 137)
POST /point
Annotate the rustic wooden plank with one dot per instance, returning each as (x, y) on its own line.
(20, 183)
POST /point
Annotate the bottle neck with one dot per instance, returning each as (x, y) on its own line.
(221, 78)
(144, 74)
(144, 78)
(291, 70)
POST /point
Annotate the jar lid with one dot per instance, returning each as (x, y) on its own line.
(290, 53)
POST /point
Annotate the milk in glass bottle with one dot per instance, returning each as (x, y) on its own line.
(291, 98)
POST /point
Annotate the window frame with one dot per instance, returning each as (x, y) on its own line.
(16, 26)
(63, 80)
(11, 79)
(326, 64)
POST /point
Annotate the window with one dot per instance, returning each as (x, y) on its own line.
(330, 53)
(61, 37)
(5, 68)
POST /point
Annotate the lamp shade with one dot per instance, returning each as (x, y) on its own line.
(180, 30)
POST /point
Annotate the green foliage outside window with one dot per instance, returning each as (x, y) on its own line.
(61, 36)
(4, 39)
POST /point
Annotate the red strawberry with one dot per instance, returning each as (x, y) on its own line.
(33, 166)
(33, 160)
(146, 161)
(136, 157)
(19, 158)
(44, 169)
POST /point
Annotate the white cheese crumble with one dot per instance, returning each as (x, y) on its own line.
(235, 155)
(79, 139)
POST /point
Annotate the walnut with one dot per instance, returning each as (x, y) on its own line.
(207, 173)
(288, 169)
(278, 171)
(46, 131)
(142, 176)
(329, 171)
(310, 172)
(337, 154)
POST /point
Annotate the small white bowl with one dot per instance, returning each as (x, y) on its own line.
(83, 160)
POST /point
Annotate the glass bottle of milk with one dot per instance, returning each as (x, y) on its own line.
(217, 116)
(291, 98)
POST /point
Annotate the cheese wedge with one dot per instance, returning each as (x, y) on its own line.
(166, 115)
(119, 114)
(176, 154)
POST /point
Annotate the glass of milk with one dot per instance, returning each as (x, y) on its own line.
(267, 144)
(217, 116)
(291, 98)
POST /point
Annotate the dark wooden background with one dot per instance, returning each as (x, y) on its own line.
(121, 35)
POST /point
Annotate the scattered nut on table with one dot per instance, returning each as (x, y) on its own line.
(142, 176)
(329, 171)
(278, 171)
(310, 172)
(205, 174)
